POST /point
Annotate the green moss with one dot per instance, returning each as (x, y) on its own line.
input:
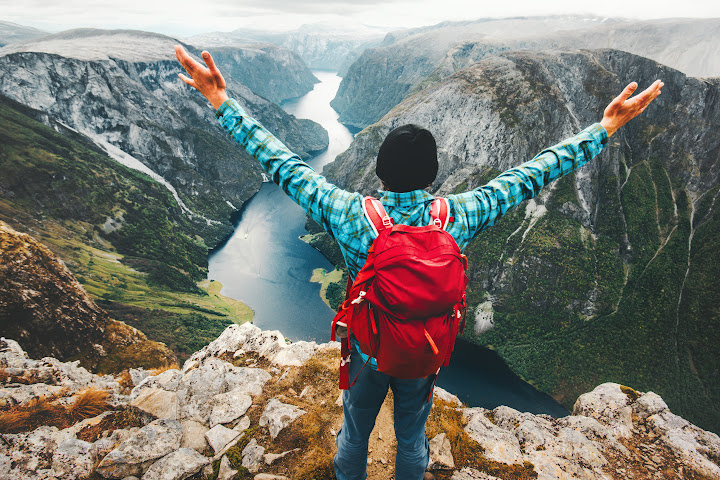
(631, 393)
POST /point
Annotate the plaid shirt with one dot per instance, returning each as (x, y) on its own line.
(340, 212)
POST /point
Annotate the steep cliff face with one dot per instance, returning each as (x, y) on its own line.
(407, 62)
(229, 412)
(122, 234)
(121, 89)
(44, 307)
(607, 276)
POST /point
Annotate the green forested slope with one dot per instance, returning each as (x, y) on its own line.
(120, 232)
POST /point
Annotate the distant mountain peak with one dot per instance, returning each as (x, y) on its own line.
(128, 45)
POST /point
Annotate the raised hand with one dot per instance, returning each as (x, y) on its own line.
(623, 108)
(206, 80)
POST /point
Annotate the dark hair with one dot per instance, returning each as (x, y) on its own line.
(407, 159)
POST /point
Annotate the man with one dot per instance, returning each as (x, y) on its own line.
(406, 164)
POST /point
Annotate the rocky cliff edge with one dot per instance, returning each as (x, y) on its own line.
(252, 405)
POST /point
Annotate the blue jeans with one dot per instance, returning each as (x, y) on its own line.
(361, 404)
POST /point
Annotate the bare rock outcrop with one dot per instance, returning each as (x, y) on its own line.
(615, 431)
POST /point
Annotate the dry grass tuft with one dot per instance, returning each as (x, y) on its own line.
(317, 466)
(23, 418)
(164, 368)
(88, 404)
(43, 411)
(125, 381)
(127, 418)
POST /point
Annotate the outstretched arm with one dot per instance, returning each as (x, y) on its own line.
(483, 207)
(323, 201)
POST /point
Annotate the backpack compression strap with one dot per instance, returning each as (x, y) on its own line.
(440, 212)
(376, 215)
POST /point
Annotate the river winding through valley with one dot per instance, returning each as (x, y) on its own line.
(267, 266)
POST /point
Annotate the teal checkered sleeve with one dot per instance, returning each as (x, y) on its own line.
(340, 212)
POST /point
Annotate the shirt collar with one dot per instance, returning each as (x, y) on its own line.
(405, 199)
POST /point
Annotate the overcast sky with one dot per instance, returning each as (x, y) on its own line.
(186, 17)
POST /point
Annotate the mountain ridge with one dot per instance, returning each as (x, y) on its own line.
(384, 75)
(611, 263)
(144, 110)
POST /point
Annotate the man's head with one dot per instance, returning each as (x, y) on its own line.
(407, 159)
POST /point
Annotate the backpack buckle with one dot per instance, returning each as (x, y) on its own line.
(387, 222)
(438, 223)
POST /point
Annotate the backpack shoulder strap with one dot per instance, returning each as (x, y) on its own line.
(440, 212)
(376, 215)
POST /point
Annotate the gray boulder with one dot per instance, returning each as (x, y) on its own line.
(499, 444)
(178, 465)
(153, 441)
(229, 406)
(157, 402)
(609, 405)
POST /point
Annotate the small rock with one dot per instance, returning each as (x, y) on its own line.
(292, 392)
(178, 465)
(305, 391)
(656, 459)
(267, 476)
(499, 444)
(219, 436)
(471, 474)
(295, 354)
(226, 472)
(252, 456)
(339, 401)
(446, 396)
(242, 425)
(648, 404)
(270, 458)
(278, 415)
(441, 453)
(369, 461)
(137, 375)
(193, 435)
(333, 432)
(74, 458)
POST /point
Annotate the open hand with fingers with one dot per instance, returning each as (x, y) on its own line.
(623, 108)
(206, 79)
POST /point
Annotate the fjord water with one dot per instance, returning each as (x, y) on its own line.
(267, 266)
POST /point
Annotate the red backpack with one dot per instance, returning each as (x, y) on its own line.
(407, 302)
